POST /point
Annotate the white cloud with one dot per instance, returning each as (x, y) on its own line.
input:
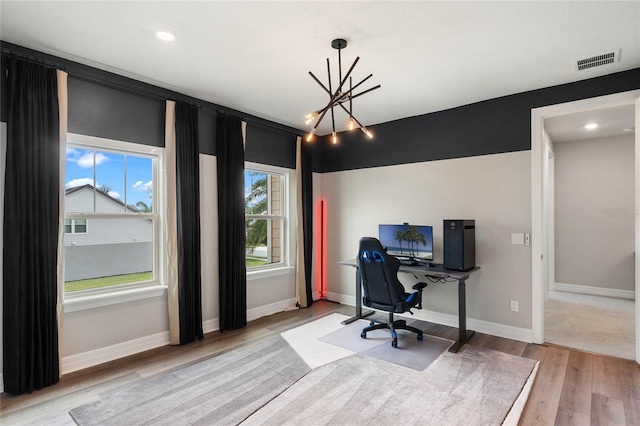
(86, 159)
(79, 182)
(72, 154)
(114, 194)
(143, 186)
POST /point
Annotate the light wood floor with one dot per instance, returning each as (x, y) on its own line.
(571, 388)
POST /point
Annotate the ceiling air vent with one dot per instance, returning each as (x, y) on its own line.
(596, 61)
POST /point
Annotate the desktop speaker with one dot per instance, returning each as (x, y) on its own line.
(459, 244)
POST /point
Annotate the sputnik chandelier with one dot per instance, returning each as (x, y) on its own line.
(339, 97)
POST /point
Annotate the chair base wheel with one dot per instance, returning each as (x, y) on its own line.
(420, 337)
(363, 335)
(394, 343)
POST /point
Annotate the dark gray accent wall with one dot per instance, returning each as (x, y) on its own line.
(111, 106)
(270, 146)
(488, 127)
(105, 112)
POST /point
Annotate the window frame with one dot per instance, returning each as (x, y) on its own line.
(284, 264)
(90, 298)
(73, 226)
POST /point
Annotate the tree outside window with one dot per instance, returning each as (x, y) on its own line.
(264, 217)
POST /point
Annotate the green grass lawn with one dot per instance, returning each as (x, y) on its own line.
(107, 281)
(255, 262)
(127, 278)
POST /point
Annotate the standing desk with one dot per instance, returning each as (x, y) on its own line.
(429, 271)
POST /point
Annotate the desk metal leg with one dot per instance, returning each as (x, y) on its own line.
(359, 313)
(463, 334)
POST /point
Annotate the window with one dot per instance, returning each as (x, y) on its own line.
(114, 186)
(75, 226)
(265, 216)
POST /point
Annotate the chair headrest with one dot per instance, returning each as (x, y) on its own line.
(373, 255)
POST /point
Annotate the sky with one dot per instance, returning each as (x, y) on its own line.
(110, 171)
(249, 178)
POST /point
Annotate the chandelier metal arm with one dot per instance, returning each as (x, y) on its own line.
(365, 91)
(339, 89)
(333, 120)
(352, 116)
(320, 83)
(348, 95)
(362, 81)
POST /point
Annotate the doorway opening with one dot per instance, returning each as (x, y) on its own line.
(543, 224)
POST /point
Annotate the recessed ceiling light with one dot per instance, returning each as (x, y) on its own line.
(591, 126)
(165, 35)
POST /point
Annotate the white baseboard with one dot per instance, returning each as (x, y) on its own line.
(341, 298)
(88, 359)
(119, 350)
(211, 325)
(595, 291)
(494, 329)
(273, 308)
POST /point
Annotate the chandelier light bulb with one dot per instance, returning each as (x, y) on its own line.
(310, 135)
(367, 132)
(334, 138)
(352, 124)
(310, 117)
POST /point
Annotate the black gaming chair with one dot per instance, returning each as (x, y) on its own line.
(383, 290)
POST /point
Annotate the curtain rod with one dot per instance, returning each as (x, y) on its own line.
(116, 81)
(33, 58)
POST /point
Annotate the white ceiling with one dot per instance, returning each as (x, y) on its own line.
(254, 56)
(613, 121)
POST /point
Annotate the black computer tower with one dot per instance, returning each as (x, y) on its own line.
(459, 244)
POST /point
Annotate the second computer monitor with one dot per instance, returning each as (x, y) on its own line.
(407, 241)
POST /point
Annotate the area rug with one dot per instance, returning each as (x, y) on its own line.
(269, 382)
(219, 391)
(475, 387)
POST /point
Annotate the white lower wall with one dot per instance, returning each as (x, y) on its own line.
(493, 189)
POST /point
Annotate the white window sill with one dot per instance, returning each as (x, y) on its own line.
(105, 299)
(271, 272)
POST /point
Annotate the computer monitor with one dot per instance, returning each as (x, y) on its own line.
(407, 241)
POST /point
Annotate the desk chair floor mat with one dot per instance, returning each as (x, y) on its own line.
(410, 353)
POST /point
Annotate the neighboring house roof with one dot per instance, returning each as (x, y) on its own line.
(102, 193)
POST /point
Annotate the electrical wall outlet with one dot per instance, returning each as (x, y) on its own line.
(514, 306)
(517, 238)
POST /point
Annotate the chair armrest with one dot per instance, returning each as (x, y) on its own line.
(419, 287)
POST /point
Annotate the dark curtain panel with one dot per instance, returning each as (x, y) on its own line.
(231, 230)
(307, 215)
(188, 206)
(31, 220)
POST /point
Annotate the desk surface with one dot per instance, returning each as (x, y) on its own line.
(433, 271)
